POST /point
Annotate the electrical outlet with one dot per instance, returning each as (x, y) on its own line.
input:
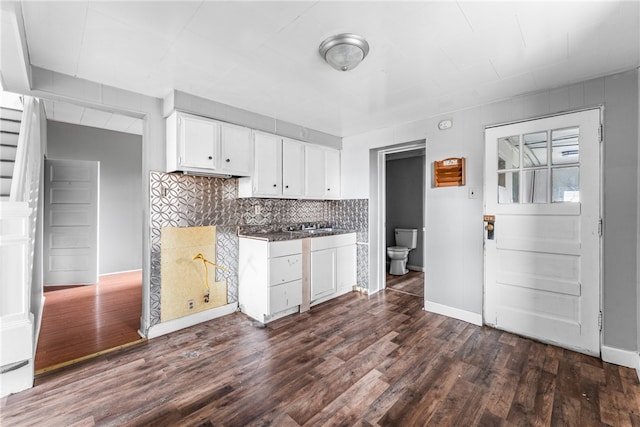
(191, 304)
(473, 193)
(257, 209)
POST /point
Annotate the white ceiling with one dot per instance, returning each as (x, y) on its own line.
(426, 58)
(61, 111)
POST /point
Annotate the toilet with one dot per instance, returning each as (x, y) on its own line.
(406, 240)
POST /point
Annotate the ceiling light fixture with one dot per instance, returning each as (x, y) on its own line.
(344, 51)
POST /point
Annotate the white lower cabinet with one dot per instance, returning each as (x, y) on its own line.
(273, 274)
(270, 277)
(285, 296)
(323, 273)
(347, 268)
(333, 266)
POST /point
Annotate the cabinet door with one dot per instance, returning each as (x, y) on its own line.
(346, 270)
(285, 296)
(292, 168)
(314, 172)
(323, 273)
(198, 139)
(332, 170)
(236, 150)
(267, 173)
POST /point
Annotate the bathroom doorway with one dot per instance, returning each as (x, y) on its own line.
(379, 230)
(404, 217)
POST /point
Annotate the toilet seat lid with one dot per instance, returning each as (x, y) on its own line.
(397, 248)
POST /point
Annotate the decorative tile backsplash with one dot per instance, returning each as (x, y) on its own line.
(186, 201)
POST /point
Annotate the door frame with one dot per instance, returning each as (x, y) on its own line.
(601, 109)
(377, 210)
(147, 118)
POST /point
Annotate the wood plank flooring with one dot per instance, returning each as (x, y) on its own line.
(355, 361)
(83, 320)
(411, 283)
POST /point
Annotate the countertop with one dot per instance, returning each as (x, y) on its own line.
(279, 236)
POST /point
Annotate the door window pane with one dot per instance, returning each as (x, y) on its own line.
(535, 149)
(508, 187)
(565, 184)
(534, 187)
(564, 146)
(509, 152)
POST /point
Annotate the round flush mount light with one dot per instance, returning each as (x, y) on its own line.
(344, 51)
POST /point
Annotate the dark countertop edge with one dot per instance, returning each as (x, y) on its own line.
(290, 235)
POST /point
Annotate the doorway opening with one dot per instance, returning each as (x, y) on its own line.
(397, 201)
(404, 221)
(83, 318)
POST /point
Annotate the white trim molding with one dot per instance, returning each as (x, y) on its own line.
(187, 321)
(456, 313)
(415, 268)
(621, 357)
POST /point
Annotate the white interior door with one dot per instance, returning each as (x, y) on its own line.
(71, 222)
(542, 267)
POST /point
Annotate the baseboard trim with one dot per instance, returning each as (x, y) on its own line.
(415, 268)
(621, 357)
(456, 313)
(361, 289)
(121, 272)
(187, 321)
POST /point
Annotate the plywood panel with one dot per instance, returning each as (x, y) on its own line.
(184, 279)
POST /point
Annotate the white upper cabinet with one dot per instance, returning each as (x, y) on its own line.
(332, 176)
(266, 180)
(200, 145)
(292, 168)
(322, 172)
(236, 150)
(278, 168)
(314, 171)
(268, 165)
(192, 143)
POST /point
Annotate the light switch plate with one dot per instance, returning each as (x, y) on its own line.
(473, 193)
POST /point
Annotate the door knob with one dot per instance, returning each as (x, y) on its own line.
(489, 227)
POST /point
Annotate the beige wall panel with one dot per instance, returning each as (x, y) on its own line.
(184, 279)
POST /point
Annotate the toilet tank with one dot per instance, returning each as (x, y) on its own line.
(407, 237)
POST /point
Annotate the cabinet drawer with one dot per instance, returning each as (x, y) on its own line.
(285, 296)
(288, 247)
(285, 269)
(319, 243)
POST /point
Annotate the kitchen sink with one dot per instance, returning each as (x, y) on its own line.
(321, 230)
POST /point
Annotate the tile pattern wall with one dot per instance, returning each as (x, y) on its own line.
(188, 201)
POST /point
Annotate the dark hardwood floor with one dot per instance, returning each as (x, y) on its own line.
(356, 360)
(80, 321)
(411, 283)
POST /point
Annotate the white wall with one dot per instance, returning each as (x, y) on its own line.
(454, 270)
(121, 203)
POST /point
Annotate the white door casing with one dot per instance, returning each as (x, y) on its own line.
(542, 269)
(71, 222)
